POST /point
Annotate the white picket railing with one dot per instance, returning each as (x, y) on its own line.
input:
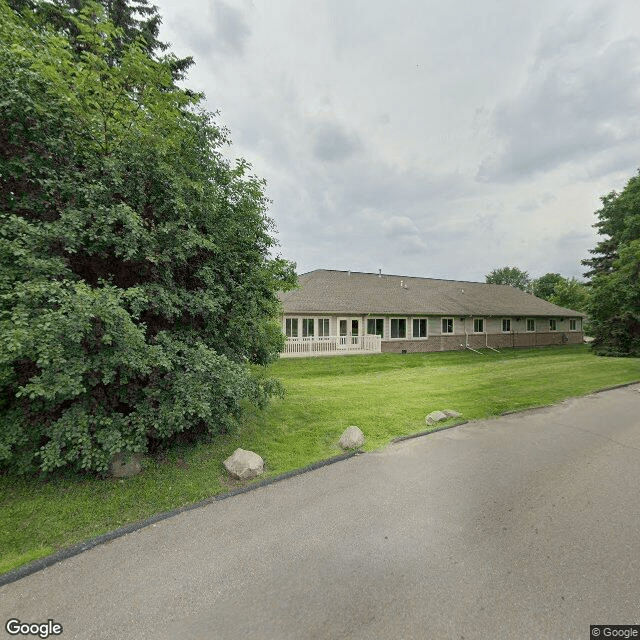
(331, 344)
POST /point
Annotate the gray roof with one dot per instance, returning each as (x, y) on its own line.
(344, 292)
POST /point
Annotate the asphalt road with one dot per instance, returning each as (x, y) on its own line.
(527, 526)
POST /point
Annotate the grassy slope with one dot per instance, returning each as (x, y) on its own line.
(386, 396)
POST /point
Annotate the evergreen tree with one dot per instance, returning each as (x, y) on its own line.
(614, 306)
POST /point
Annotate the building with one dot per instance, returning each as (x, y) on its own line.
(342, 311)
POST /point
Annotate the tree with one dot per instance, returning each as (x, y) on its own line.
(511, 276)
(136, 285)
(614, 305)
(544, 286)
(570, 293)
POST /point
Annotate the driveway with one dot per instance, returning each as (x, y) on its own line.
(526, 526)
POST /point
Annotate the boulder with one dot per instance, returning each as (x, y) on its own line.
(436, 416)
(244, 465)
(124, 465)
(450, 413)
(352, 438)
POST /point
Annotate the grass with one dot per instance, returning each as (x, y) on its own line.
(387, 396)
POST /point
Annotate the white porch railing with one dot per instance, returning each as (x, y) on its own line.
(317, 346)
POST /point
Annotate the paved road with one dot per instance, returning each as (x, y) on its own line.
(527, 526)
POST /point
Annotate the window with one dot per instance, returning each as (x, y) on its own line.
(506, 325)
(398, 327)
(573, 324)
(291, 327)
(323, 327)
(307, 328)
(419, 327)
(375, 326)
(553, 324)
(478, 325)
(447, 325)
(531, 324)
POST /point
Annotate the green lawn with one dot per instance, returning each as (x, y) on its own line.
(385, 395)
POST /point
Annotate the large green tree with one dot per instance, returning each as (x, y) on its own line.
(544, 286)
(614, 272)
(511, 276)
(136, 284)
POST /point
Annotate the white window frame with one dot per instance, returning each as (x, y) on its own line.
(375, 321)
(398, 337)
(426, 328)
(553, 324)
(573, 324)
(482, 325)
(305, 324)
(288, 327)
(508, 321)
(321, 325)
(442, 326)
(532, 320)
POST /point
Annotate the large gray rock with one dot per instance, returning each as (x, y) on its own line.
(450, 413)
(243, 465)
(352, 438)
(124, 465)
(436, 416)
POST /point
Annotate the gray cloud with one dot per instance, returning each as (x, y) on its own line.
(231, 29)
(579, 100)
(333, 143)
(218, 29)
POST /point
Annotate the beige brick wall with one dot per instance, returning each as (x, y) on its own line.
(478, 341)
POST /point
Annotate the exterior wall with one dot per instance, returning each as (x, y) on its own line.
(462, 335)
(480, 341)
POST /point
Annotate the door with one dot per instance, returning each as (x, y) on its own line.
(348, 331)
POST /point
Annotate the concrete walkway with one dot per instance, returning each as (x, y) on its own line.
(527, 526)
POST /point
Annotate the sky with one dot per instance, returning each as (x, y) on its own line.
(424, 138)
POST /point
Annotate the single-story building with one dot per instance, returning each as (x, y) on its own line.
(344, 311)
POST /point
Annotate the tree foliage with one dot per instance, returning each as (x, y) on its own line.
(136, 287)
(511, 276)
(544, 286)
(614, 272)
(565, 292)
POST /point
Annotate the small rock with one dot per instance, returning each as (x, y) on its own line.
(352, 438)
(124, 465)
(450, 413)
(435, 416)
(244, 465)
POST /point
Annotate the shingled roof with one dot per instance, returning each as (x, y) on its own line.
(352, 293)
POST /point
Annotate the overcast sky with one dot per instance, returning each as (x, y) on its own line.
(439, 139)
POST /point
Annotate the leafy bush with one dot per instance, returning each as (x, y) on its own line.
(136, 286)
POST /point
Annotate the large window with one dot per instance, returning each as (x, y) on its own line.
(398, 327)
(531, 324)
(323, 327)
(553, 324)
(419, 327)
(375, 327)
(307, 328)
(291, 327)
(573, 324)
(447, 325)
(478, 325)
(506, 325)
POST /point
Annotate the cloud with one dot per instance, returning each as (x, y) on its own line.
(220, 29)
(231, 29)
(579, 100)
(333, 143)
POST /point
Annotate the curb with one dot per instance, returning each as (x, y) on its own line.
(76, 549)
(430, 431)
